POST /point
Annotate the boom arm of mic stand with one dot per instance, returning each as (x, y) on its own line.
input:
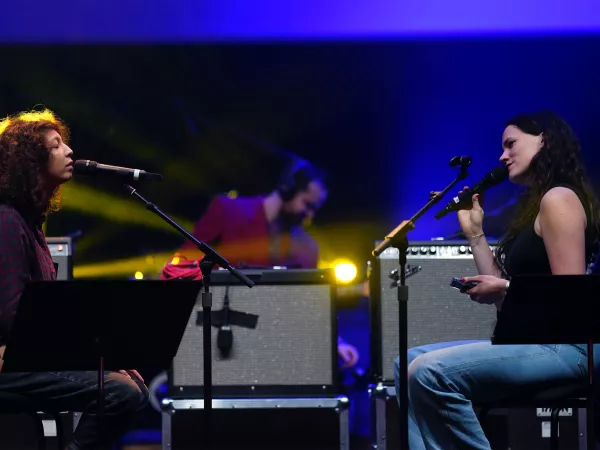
(397, 238)
(399, 233)
(211, 254)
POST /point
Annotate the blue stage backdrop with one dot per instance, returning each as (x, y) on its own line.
(193, 20)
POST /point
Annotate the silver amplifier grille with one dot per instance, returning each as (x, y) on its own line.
(436, 312)
(293, 343)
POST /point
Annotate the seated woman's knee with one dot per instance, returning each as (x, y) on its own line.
(411, 355)
(422, 370)
(124, 393)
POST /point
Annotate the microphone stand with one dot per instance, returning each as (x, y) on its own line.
(211, 258)
(397, 238)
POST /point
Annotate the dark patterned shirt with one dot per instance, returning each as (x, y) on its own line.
(24, 256)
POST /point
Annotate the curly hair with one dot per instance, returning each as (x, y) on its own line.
(558, 162)
(23, 161)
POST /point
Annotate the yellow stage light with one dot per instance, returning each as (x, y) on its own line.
(345, 272)
(139, 276)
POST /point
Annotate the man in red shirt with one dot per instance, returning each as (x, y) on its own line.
(266, 230)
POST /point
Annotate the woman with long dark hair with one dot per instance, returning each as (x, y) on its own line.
(35, 160)
(554, 231)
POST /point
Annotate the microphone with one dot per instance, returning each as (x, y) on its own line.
(462, 161)
(224, 340)
(493, 178)
(92, 168)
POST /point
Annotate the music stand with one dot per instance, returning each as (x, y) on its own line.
(86, 325)
(554, 309)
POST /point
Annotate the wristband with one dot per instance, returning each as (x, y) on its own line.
(476, 236)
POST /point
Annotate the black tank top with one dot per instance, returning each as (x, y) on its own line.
(527, 253)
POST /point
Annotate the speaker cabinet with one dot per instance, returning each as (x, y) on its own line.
(266, 424)
(284, 337)
(436, 311)
(61, 249)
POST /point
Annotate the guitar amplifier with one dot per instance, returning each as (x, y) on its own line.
(436, 312)
(61, 249)
(284, 337)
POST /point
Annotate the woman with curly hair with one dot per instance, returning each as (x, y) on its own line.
(554, 231)
(35, 161)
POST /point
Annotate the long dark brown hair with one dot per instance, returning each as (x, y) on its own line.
(558, 162)
(24, 160)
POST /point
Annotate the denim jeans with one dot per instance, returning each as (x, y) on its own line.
(77, 391)
(445, 379)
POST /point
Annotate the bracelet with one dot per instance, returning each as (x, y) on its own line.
(476, 236)
(505, 290)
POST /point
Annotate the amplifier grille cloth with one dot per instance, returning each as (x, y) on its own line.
(436, 312)
(291, 345)
(63, 269)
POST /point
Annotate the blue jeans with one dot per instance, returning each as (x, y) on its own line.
(77, 391)
(445, 379)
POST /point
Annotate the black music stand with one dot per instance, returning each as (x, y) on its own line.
(554, 309)
(99, 325)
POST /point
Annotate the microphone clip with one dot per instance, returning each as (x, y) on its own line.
(397, 238)
(462, 163)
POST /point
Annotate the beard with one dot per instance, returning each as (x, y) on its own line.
(289, 220)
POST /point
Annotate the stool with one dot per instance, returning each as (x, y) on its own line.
(12, 403)
(572, 396)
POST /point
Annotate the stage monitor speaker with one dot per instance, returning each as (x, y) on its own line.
(282, 335)
(61, 249)
(436, 311)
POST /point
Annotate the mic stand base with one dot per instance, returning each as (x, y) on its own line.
(591, 398)
(402, 245)
(100, 397)
(206, 268)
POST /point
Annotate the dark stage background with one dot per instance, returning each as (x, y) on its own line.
(382, 117)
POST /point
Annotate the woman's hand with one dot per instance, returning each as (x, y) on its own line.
(471, 216)
(348, 353)
(489, 290)
(132, 374)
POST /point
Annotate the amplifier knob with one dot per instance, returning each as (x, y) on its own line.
(432, 249)
(414, 250)
(462, 249)
(423, 250)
